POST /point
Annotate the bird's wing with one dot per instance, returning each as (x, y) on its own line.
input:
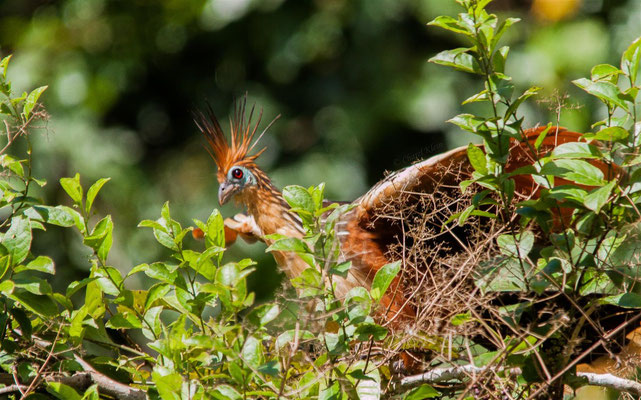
(452, 167)
(419, 177)
(385, 220)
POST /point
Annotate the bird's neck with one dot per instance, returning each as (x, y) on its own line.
(272, 213)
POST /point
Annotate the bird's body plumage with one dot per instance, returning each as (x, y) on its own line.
(365, 238)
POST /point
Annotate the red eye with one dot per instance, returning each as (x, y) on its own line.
(237, 173)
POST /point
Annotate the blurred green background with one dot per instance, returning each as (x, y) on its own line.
(350, 79)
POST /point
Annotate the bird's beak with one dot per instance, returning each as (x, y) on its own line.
(225, 191)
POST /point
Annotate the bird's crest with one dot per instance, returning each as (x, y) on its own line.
(227, 153)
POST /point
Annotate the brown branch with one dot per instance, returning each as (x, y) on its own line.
(13, 388)
(105, 384)
(465, 371)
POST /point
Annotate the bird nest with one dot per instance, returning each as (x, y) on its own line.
(440, 259)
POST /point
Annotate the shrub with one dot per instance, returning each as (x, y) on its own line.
(562, 290)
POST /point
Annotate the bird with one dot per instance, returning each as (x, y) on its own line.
(364, 237)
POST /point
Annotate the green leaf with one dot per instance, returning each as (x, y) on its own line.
(91, 393)
(62, 391)
(631, 59)
(215, 232)
(358, 304)
(333, 392)
(77, 285)
(576, 150)
(365, 331)
(539, 140)
(23, 320)
(162, 272)
(341, 269)
(14, 165)
(451, 24)
(517, 103)
(152, 326)
(468, 122)
(73, 188)
(126, 319)
(460, 319)
(498, 61)
(5, 262)
(32, 100)
(17, 239)
(40, 264)
(383, 279)
(157, 291)
(518, 246)
(625, 300)
(33, 285)
(501, 30)
(605, 91)
(3, 66)
(169, 386)
(477, 159)
(424, 391)
(58, 216)
(264, 314)
(501, 275)
(605, 72)
(109, 280)
(458, 59)
(39, 304)
(271, 368)
(597, 198)
(225, 392)
(93, 192)
(101, 239)
(464, 215)
(568, 192)
(252, 352)
(611, 134)
(577, 171)
(289, 244)
(298, 197)
(6, 287)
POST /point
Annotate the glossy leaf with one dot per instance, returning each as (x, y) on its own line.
(458, 59)
(101, 239)
(424, 391)
(17, 239)
(598, 197)
(73, 188)
(383, 279)
(40, 264)
(578, 171)
(31, 101)
(93, 192)
(477, 159)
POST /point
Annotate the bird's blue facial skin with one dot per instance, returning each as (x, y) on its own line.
(240, 176)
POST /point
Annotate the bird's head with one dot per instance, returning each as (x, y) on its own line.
(238, 174)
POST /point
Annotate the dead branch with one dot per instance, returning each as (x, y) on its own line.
(461, 372)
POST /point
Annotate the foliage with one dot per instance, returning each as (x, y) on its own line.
(194, 331)
(570, 240)
(123, 77)
(202, 335)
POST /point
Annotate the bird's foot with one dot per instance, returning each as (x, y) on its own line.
(243, 225)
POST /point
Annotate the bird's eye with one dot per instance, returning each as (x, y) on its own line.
(237, 173)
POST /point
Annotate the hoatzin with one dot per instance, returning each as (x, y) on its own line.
(364, 238)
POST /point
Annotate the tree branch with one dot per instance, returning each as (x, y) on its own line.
(464, 371)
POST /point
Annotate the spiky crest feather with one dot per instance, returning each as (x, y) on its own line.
(226, 153)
